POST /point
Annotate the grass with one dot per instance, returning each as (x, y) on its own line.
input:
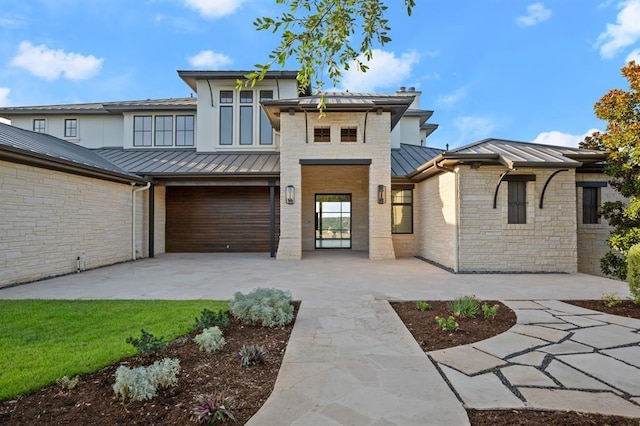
(44, 340)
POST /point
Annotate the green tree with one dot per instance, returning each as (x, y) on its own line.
(621, 110)
(325, 36)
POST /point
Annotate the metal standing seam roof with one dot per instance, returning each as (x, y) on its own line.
(410, 157)
(182, 162)
(43, 146)
(104, 107)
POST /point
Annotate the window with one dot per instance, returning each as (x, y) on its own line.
(517, 202)
(142, 130)
(184, 130)
(226, 96)
(322, 134)
(70, 128)
(590, 205)
(402, 211)
(164, 130)
(226, 117)
(348, 134)
(266, 131)
(39, 125)
(246, 117)
(246, 97)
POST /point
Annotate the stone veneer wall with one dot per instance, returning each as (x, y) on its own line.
(296, 145)
(160, 219)
(592, 238)
(336, 180)
(49, 218)
(546, 243)
(435, 219)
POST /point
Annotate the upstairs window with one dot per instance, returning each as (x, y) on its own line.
(517, 202)
(322, 134)
(590, 205)
(402, 211)
(39, 125)
(266, 131)
(184, 130)
(142, 130)
(348, 134)
(246, 117)
(70, 128)
(164, 130)
(226, 117)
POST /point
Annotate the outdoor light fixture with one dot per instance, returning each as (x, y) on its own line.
(290, 194)
(382, 190)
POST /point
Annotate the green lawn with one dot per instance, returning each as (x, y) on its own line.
(43, 340)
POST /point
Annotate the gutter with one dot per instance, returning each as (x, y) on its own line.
(133, 216)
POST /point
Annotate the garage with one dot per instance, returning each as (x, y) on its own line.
(209, 219)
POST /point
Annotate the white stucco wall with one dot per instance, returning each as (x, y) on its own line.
(94, 131)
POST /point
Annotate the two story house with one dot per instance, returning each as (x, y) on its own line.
(261, 170)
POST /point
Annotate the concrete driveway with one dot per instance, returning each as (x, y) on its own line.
(321, 275)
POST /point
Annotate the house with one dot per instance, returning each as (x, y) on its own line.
(259, 170)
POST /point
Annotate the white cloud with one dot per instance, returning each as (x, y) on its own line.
(4, 96)
(50, 64)
(536, 13)
(214, 8)
(557, 138)
(634, 56)
(385, 70)
(452, 98)
(209, 59)
(625, 32)
(473, 128)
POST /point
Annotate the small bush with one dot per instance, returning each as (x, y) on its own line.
(268, 307)
(465, 307)
(210, 340)
(252, 355)
(611, 299)
(147, 342)
(633, 273)
(490, 312)
(67, 383)
(423, 306)
(208, 319)
(142, 383)
(447, 324)
(212, 409)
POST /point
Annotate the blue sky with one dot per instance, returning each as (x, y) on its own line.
(521, 70)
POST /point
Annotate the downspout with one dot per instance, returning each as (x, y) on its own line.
(133, 216)
(456, 203)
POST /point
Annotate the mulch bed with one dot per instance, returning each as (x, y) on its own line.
(94, 402)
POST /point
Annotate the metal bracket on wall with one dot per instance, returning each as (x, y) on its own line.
(544, 188)
(495, 194)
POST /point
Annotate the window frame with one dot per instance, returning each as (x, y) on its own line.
(39, 129)
(517, 202)
(144, 132)
(590, 210)
(71, 131)
(402, 204)
(186, 131)
(266, 129)
(349, 134)
(164, 132)
(322, 134)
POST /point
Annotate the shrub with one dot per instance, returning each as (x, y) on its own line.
(67, 383)
(252, 355)
(142, 383)
(210, 340)
(423, 306)
(633, 273)
(208, 319)
(465, 307)
(147, 342)
(611, 299)
(268, 307)
(212, 409)
(490, 312)
(447, 324)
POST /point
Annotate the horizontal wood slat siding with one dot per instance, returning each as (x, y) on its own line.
(208, 219)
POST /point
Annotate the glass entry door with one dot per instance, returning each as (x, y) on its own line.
(333, 221)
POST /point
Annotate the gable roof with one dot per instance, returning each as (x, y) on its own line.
(43, 150)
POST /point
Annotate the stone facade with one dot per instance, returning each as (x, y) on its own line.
(297, 143)
(49, 219)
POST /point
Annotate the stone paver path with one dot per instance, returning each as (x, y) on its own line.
(558, 357)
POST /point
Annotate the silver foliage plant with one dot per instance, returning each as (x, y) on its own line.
(142, 383)
(210, 340)
(268, 307)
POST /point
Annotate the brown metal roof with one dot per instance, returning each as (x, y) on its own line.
(175, 162)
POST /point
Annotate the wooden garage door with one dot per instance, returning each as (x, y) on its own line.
(219, 219)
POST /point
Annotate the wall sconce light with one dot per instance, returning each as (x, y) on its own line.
(382, 192)
(290, 194)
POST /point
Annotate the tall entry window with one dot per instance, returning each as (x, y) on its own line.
(333, 221)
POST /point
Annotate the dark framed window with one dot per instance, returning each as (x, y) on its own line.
(348, 134)
(402, 211)
(39, 125)
(185, 130)
(322, 134)
(246, 125)
(517, 202)
(226, 96)
(164, 130)
(590, 205)
(70, 128)
(142, 130)
(226, 125)
(266, 131)
(246, 97)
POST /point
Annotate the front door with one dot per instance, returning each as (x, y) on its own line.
(333, 221)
